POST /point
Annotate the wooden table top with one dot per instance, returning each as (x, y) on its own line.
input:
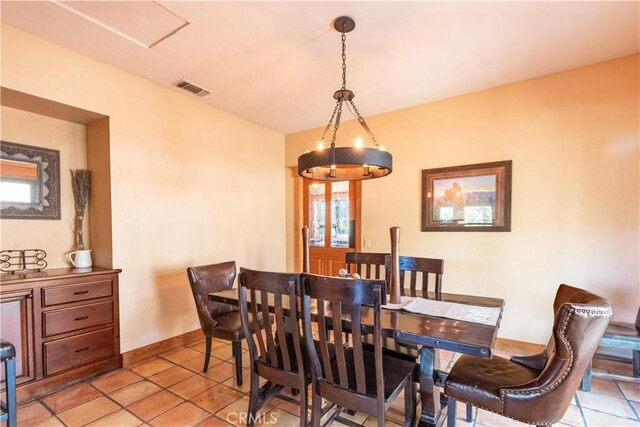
(420, 329)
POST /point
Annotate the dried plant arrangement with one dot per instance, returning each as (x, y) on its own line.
(81, 185)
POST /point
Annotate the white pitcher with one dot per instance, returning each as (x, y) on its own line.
(80, 259)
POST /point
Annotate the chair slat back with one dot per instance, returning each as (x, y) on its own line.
(416, 275)
(273, 346)
(343, 301)
(368, 265)
(323, 338)
(305, 250)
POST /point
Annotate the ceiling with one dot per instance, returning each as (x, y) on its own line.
(278, 63)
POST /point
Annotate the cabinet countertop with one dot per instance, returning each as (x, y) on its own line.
(53, 273)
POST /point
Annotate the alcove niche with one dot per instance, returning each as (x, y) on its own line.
(98, 162)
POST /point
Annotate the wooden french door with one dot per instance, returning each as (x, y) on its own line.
(331, 210)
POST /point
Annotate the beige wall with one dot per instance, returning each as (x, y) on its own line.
(190, 184)
(55, 237)
(574, 141)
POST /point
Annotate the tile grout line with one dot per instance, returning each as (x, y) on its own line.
(603, 411)
(109, 398)
(61, 422)
(584, 418)
(47, 407)
(211, 414)
(186, 400)
(51, 411)
(55, 414)
(144, 379)
(627, 400)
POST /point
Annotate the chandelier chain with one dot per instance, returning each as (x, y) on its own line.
(335, 110)
(356, 112)
(363, 123)
(337, 125)
(344, 61)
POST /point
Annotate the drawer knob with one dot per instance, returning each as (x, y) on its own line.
(81, 318)
(80, 292)
(82, 349)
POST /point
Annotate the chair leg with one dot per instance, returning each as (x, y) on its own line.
(410, 402)
(469, 413)
(451, 412)
(237, 354)
(207, 353)
(10, 375)
(381, 412)
(586, 379)
(304, 400)
(254, 397)
(636, 363)
(316, 408)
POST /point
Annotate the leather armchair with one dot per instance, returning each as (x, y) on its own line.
(217, 320)
(536, 389)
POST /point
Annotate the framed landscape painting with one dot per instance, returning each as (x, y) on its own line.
(467, 198)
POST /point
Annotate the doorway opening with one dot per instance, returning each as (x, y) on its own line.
(332, 211)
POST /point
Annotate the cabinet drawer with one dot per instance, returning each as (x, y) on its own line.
(72, 319)
(71, 352)
(80, 292)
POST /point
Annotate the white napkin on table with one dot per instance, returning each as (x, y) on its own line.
(450, 310)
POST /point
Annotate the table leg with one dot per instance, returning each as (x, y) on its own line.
(429, 393)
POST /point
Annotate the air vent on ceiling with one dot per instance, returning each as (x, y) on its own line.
(183, 84)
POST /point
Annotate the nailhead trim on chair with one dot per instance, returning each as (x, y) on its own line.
(555, 384)
(568, 370)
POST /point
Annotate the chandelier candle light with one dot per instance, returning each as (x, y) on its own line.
(345, 163)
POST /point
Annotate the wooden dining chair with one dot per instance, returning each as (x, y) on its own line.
(419, 277)
(217, 320)
(368, 265)
(354, 379)
(535, 389)
(414, 271)
(276, 353)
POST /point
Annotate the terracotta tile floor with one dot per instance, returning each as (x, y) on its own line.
(171, 390)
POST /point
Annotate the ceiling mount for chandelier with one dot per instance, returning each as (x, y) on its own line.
(345, 163)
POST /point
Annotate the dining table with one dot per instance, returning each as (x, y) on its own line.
(429, 334)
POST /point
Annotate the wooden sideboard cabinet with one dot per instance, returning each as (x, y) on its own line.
(64, 324)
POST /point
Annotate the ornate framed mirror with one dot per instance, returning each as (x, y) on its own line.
(29, 182)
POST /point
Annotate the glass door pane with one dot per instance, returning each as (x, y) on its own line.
(340, 214)
(316, 214)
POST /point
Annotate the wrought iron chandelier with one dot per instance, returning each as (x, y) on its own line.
(345, 163)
